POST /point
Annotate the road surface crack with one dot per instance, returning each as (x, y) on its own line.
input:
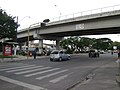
(87, 79)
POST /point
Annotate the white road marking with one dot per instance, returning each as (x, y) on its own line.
(58, 79)
(28, 75)
(49, 75)
(16, 67)
(28, 71)
(24, 69)
(23, 84)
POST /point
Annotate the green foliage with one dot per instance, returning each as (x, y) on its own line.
(69, 51)
(79, 43)
(2, 56)
(117, 44)
(22, 53)
(102, 43)
(8, 25)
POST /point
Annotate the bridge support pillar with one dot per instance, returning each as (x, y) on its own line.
(20, 45)
(25, 46)
(58, 44)
(41, 46)
(14, 46)
(40, 43)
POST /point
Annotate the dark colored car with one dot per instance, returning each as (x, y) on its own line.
(94, 53)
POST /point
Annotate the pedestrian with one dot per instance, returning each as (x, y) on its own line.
(118, 54)
(111, 52)
(34, 53)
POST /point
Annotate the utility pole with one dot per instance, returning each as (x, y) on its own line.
(15, 37)
(59, 11)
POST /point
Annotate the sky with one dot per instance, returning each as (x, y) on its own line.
(34, 11)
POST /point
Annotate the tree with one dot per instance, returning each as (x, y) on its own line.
(8, 26)
(117, 44)
(102, 43)
(75, 43)
(85, 42)
(79, 43)
(67, 44)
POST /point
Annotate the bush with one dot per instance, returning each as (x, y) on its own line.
(22, 53)
(2, 56)
(69, 51)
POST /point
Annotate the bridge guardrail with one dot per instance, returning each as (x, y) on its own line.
(88, 12)
(79, 14)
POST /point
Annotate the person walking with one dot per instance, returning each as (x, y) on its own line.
(34, 53)
(118, 54)
(118, 61)
(111, 52)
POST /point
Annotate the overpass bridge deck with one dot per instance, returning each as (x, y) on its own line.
(84, 15)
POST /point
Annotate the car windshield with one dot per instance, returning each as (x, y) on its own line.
(92, 50)
(55, 52)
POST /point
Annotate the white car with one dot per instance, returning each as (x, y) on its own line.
(59, 55)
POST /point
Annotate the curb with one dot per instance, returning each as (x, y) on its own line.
(19, 59)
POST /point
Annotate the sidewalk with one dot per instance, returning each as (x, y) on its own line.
(104, 79)
(19, 58)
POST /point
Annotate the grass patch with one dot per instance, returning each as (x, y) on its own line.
(2, 56)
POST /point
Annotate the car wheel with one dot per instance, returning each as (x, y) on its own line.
(89, 55)
(60, 59)
(51, 59)
(98, 55)
(69, 58)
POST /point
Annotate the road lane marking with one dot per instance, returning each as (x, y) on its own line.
(49, 75)
(23, 84)
(28, 71)
(16, 67)
(28, 75)
(58, 79)
(24, 69)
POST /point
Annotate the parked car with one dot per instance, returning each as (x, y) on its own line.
(59, 55)
(94, 53)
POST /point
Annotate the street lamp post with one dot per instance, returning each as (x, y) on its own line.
(58, 10)
(17, 29)
(22, 20)
(15, 38)
(29, 37)
(42, 24)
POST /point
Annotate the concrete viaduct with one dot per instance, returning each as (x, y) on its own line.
(93, 24)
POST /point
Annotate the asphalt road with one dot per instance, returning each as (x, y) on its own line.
(42, 74)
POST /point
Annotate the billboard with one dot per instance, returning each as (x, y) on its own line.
(7, 50)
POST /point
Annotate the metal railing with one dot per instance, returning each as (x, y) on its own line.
(80, 14)
(88, 12)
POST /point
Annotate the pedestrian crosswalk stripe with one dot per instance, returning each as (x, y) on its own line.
(28, 71)
(28, 75)
(16, 67)
(52, 74)
(24, 69)
(10, 64)
(58, 79)
(23, 84)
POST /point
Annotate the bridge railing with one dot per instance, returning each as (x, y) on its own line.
(88, 12)
(79, 14)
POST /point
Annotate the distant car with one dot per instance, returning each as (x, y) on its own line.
(94, 53)
(59, 55)
(101, 52)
